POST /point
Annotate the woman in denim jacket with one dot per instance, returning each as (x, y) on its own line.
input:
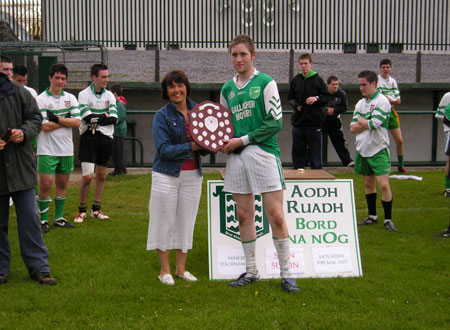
(176, 179)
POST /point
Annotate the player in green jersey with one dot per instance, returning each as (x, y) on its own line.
(253, 165)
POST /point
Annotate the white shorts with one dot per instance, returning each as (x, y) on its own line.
(173, 209)
(253, 171)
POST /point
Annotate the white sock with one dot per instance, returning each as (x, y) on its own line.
(282, 247)
(250, 257)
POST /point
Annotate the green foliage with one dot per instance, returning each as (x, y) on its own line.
(107, 279)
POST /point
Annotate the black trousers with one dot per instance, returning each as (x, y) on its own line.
(306, 145)
(333, 127)
(117, 155)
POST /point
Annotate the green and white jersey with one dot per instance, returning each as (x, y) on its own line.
(443, 110)
(388, 87)
(256, 110)
(377, 111)
(59, 141)
(31, 90)
(93, 103)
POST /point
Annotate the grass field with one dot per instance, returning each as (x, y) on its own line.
(107, 279)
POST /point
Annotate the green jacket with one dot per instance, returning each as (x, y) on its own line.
(18, 110)
(120, 129)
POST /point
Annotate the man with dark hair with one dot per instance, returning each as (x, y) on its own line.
(6, 66)
(370, 124)
(60, 112)
(20, 76)
(20, 121)
(389, 88)
(333, 123)
(308, 95)
(120, 130)
(99, 115)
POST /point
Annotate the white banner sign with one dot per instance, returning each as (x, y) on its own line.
(323, 234)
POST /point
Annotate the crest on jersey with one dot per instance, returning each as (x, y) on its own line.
(372, 107)
(254, 92)
(67, 104)
(107, 103)
(231, 95)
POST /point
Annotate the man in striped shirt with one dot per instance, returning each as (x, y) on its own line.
(98, 114)
(60, 113)
(389, 88)
(370, 124)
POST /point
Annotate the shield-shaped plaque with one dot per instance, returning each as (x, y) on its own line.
(210, 123)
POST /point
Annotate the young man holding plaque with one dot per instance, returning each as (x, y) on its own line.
(370, 123)
(253, 164)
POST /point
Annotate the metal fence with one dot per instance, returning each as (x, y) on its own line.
(328, 25)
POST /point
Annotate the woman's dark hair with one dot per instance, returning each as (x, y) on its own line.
(177, 76)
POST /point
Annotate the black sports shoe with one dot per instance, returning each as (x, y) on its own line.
(447, 192)
(389, 225)
(402, 169)
(44, 278)
(44, 227)
(3, 278)
(445, 233)
(244, 279)
(61, 222)
(289, 285)
(368, 221)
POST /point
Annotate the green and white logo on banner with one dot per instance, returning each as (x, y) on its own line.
(229, 223)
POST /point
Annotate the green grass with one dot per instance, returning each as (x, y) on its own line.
(107, 279)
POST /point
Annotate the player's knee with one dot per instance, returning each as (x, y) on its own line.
(87, 169)
(101, 177)
(276, 217)
(244, 216)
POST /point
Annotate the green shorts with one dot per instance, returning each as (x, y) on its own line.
(378, 164)
(55, 164)
(394, 120)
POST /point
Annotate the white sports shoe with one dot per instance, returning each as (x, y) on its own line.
(99, 215)
(81, 216)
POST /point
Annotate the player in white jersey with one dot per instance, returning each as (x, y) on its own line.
(443, 114)
(388, 86)
(20, 76)
(370, 124)
(98, 114)
(60, 113)
(255, 96)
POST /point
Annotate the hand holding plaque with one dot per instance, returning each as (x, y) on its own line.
(210, 123)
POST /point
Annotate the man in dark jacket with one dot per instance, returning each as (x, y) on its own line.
(308, 95)
(20, 122)
(333, 123)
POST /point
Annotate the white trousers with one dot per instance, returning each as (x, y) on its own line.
(173, 209)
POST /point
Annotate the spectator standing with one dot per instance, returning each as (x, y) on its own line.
(308, 96)
(333, 123)
(20, 121)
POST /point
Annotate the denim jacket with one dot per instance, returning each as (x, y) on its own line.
(171, 144)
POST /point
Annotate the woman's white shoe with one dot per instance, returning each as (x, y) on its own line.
(166, 279)
(187, 277)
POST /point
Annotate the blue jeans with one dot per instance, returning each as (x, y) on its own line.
(307, 146)
(32, 247)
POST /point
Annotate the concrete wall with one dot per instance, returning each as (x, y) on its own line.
(417, 129)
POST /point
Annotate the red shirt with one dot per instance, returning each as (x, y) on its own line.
(189, 164)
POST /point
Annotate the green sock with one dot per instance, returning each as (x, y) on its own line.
(447, 182)
(59, 207)
(400, 161)
(43, 204)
